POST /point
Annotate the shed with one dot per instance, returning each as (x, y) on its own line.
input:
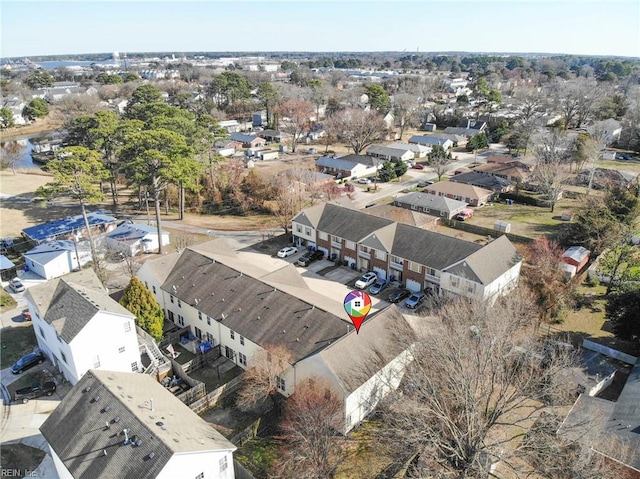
(502, 226)
(577, 256)
(57, 258)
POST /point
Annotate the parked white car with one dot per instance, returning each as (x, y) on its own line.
(366, 280)
(287, 251)
(364, 181)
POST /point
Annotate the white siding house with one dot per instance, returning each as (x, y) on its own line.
(486, 274)
(134, 238)
(79, 327)
(56, 258)
(114, 424)
(362, 368)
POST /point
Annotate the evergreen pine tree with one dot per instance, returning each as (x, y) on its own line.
(140, 301)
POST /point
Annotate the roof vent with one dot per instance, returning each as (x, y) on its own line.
(239, 309)
(104, 452)
(87, 389)
(160, 423)
(196, 301)
(258, 317)
(96, 399)
(284, 331)
(106, 408)
(116, 420)
(151, 455)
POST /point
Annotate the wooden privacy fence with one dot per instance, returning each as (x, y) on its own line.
(241, 472)
(211, 399)
(481, 230)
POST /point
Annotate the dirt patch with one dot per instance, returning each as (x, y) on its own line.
(20, 460)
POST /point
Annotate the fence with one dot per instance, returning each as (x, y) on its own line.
(202, 359)
(174, 337)
(481, 230)
(607, 351)
(211, 399)
(241, 472)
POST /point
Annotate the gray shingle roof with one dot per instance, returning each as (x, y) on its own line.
(259, 311)
(347, 223)
(70, 302)
(481, 180)
(488, 263)
(428, 248)
(427, 140)
(373, 347)
(433, 202)
(362, 159)
(77, 430)
(387, 151)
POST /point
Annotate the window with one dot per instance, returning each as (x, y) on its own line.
(200, 476)
(179, 304)
(181, 320)
(307, 231)
(364, 249)
(396, 259)
(154, 289)
(350, 245)
(210, 338)
(209, 320)
(127, 326)
(171, 297)
(281, 384)
(199, 315)
(59, 338)
(134, 367)
(336, 239)
(198, 333)
(96, 362)
(171, 317)
(64, 358)
(121, 349)
(347, 421)
(381, 255)
(431, 271)
(41, 331)
(299, 228)
(242, 359)
(415, 267)
(232, 334)
(322, 235)
(242, 340)
(224, 464)
(471, 288)
(455, 281)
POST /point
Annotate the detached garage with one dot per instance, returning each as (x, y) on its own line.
(133, 238)
(57, 258)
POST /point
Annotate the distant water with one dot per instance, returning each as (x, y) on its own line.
(26, 161)
(51, 65)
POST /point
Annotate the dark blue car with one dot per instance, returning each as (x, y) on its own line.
(27, 361)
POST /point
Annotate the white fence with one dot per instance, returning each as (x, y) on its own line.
(609, 352)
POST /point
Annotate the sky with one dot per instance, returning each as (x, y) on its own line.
(548, 26)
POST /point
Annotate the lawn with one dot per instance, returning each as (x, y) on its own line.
(16, 342)
(363, 456)
(20, 460)
(7, 302)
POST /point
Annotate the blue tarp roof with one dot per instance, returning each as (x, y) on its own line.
(51, 230)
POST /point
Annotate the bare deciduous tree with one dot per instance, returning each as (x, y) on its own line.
(358, 128)
(261, 378)
(404, 110)
(294, 118)
(310, 432)
(480, 376)
(10, 153)
(551, 166)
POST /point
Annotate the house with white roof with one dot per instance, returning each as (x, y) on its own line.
(57, 258)
(430, 142)
(391, 154)
(116, 424)
(349, 166)
(419, 151)
(134, 238)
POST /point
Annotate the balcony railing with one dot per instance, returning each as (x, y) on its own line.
(364, 255)
(398, 266)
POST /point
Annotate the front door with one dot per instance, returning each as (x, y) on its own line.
(228, 352)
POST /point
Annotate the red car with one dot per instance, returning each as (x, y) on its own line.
(418, 166)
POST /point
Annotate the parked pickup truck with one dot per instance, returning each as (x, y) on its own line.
(34, 391)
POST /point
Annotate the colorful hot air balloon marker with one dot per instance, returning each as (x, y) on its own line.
(357, 304)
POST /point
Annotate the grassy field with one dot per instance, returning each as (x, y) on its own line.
(7, 302)
(16, 342)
